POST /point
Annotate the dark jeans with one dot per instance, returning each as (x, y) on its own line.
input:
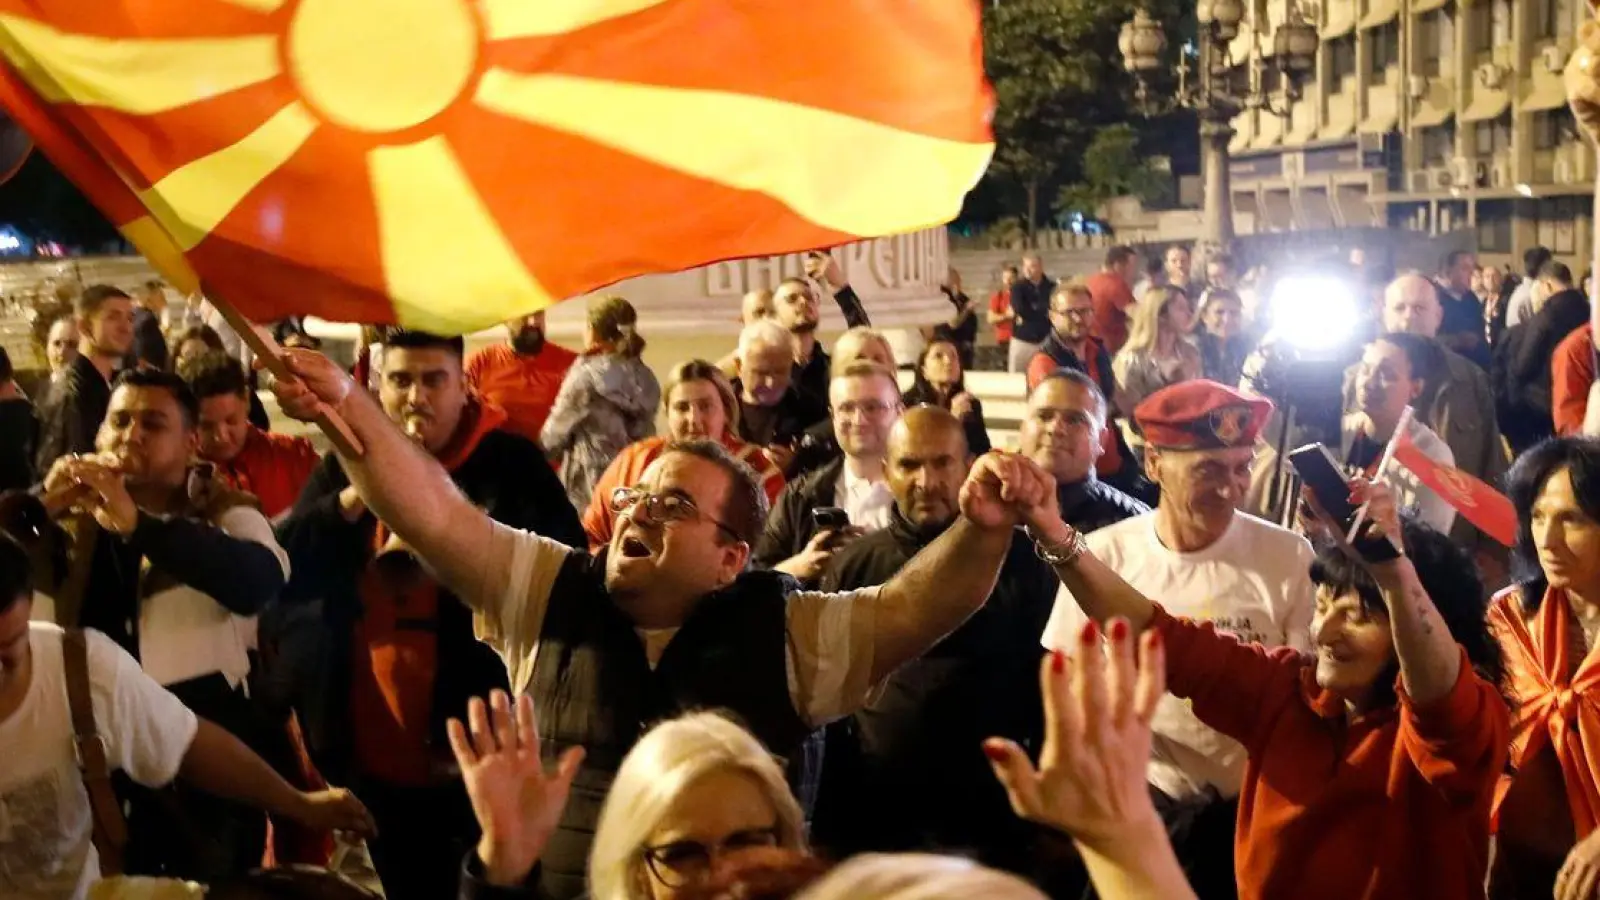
(182, 832)
(423, 835)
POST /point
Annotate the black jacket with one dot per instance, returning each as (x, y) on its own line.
(149, 344)
(510, 479)
(72, 414)
(1030, 305)
(19, 443)
(1091, 504)
(908, 772)
(1521, 374)
(796, 411)
(789, 526)
(1063, 356)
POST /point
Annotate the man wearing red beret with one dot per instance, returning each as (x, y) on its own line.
(1207, 561)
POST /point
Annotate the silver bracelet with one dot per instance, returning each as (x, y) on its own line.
(1063, 553)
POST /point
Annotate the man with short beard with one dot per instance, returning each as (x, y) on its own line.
(522, 376)
(404, 656)
(926, 726)
(71, 417)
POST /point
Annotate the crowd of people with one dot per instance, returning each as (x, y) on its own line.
(818, 638)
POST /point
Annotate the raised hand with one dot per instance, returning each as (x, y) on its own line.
(518, 803)
(1091, 777)
(317, 385)
(107, 500)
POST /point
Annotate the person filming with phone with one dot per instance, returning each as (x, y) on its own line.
(821, 512)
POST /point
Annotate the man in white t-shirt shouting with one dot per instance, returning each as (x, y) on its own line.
(1201, 556)
(46, 851)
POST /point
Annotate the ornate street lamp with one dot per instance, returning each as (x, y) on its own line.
(1275, 79)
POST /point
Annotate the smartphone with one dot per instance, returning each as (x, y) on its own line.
(826, 517)
(1321, 472)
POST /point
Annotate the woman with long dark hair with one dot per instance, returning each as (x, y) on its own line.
(940, 381)
(1547, 809)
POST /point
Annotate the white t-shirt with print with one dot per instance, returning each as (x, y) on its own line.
(1254, 583)
(46, 826)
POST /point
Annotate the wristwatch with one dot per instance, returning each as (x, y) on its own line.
(1060, 553)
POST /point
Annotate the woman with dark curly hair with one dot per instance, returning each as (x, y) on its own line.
(1372, 763)
(1548, 807)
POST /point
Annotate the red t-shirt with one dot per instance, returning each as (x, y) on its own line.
(524, 386)
(1112, 297)
(272, 466)
(1000, 303)
(1571, 374)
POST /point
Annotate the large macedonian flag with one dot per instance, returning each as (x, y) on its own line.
(447, 164)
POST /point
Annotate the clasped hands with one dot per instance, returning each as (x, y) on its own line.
(1004, 490)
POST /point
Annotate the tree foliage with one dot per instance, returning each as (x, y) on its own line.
(1114, 167)
(1058, 80)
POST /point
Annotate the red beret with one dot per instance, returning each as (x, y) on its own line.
(1201, 415)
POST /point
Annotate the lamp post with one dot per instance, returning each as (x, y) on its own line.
(1289, 61)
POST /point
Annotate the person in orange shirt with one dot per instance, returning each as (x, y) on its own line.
(1372, 764)
(522, 376)
(271, 466)
(700, 405)
(1548, 808)
(1571, 376)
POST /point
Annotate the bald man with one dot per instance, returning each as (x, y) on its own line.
(928, 724)
(1456, 400)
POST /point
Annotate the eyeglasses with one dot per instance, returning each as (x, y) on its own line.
(682, 862)
(1075, 313)
(869, 408)
(659, 509)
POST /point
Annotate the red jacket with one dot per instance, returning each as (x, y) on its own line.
(1393, 805)
(1571, 374)
(524, 386)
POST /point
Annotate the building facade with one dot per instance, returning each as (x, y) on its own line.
(1440, 117)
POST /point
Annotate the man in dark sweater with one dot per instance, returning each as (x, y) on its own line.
(1061, 433)
(402, 656)
(77, 403)
(1030, 310)
(927, 726)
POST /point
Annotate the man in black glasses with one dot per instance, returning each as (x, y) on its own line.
(667, 617)
(402, 656)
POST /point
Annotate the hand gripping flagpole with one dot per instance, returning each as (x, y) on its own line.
(1383, 469)
(271, 355)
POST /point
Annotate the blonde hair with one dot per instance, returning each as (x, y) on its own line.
(669, 759)
(864, 335)
(917, 876)
(866, 368)
(614, 321)
(1147, 313)
(700, 370)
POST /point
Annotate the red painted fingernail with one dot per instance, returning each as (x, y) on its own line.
(1155, 639)
(1119, 630)
(995, 752)
(1058, 662)
(1091, 633)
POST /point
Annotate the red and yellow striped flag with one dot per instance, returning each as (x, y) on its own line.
(448, 164)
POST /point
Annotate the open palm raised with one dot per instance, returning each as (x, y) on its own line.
(518, 803)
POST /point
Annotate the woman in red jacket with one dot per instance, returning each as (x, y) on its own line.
(1373, 763)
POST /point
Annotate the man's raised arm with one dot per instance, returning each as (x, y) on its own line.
(951, 578)
(403, 486)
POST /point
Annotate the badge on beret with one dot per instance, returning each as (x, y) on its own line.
(1229, 423)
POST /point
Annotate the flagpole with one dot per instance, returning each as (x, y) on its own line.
(1383, 468)
(271, 355)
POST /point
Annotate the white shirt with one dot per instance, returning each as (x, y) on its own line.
(46, 826)
(184, 633)
(1254, 583)
(1520, 305)
(869, 503)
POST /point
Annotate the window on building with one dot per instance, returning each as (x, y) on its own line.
(1552, 18)
(1480, 28)
(1552, 128)
(1494, 226)
(1434, 41)
(1556, 221)
(1493, 136)
(1341, 62)
(1383, 49)
(1438, 145)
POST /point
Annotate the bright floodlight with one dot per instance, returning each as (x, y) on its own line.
(1314, 313)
